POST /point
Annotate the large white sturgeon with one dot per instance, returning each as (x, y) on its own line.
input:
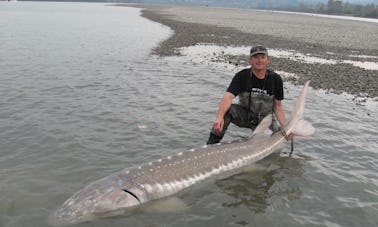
(164, 177)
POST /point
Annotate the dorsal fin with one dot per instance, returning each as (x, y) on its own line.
(263, 126)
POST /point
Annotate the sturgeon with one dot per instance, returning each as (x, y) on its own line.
(164, 177)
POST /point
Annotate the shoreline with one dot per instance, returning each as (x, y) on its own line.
(337, 78)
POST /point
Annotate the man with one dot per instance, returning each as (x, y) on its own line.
(260, 93)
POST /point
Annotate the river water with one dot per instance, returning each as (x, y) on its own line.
(82, 98)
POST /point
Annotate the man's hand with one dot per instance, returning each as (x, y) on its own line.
(218, 125)
(224, 105)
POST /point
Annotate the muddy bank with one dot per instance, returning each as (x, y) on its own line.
(337, 78)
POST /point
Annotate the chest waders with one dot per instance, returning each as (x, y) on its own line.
(259, 104)
(252, 108)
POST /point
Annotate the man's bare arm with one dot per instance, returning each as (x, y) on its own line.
(223, 107)
(279, 111)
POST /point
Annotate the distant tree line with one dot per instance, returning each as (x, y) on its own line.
(335, 7)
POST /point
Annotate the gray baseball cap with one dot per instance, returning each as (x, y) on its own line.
(259, 49)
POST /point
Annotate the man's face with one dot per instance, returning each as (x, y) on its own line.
(259, 61)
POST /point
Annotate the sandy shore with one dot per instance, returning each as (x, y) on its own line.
(326, 38)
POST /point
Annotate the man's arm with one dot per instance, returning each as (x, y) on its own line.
(223, 107)
(279, 111)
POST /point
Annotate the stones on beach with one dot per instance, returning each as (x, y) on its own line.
(338, 77)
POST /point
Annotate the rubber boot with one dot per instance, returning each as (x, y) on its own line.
(213, 139)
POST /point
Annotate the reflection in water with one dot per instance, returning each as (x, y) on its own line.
(256, 187)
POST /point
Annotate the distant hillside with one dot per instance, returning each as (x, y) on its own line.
(254, 3)
(360, 8)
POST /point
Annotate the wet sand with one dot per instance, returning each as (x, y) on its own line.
(327, 38)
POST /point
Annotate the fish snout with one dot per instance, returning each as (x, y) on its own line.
(85, 207)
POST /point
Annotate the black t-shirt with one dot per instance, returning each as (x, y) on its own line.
(242, 83)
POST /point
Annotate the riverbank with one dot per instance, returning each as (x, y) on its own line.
(346, 43)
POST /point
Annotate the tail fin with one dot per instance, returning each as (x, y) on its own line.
(297, 124)
(303, 128)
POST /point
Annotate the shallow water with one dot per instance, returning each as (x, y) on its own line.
(81, 98)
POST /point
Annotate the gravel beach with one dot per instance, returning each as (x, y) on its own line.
(326, 38)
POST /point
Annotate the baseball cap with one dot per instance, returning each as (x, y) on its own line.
(259, 49)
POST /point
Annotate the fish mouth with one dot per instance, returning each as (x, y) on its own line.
(56, 220)
(62, 218)
(67, 215)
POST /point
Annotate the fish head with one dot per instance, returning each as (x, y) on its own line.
(99, 199)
